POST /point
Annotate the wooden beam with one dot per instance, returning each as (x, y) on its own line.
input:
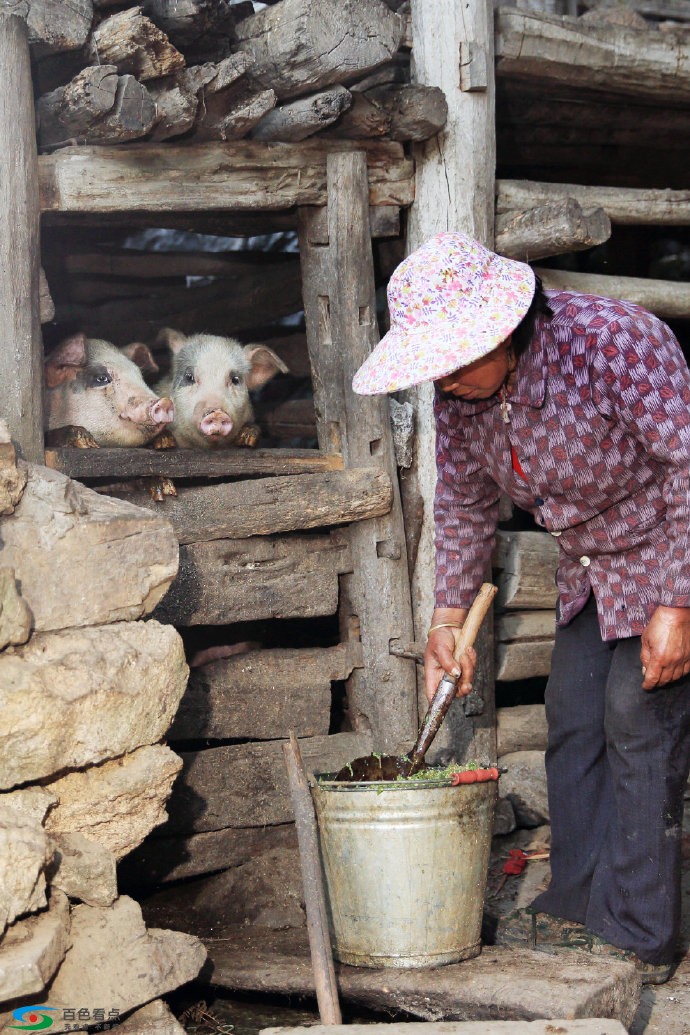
(524, 642)
(592, 57)
(56, 26)
(340, 307)
(551, 229)
(85, 464)
(234, 510)
(625, 205)
(243, 580)
(454, 190)
(526, 563)
(21, 349)
(255, 696)
(242, 175)
(244, 785)
(668, 299)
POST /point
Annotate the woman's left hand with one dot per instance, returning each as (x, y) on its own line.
(665, 652)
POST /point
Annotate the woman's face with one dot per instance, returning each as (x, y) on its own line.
(480, 379)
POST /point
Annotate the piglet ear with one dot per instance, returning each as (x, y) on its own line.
(142, 356)
(65, 360)
(170, 339)
(264, 364)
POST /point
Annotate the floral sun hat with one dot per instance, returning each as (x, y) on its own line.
(451, 302)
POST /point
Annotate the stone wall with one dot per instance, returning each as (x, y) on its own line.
(88, 689)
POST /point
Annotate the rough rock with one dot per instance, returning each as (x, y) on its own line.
(33, 949)
(521, 728)
(116, 804)
(525, 786)
(504, 818)
(115, 961)
(24, 855)
(85, 559)
(157, 1018)
(15, 614)
(79, 696)
(13, 475)
(28, 803)
(84, 870)
(588, 1026)
(266, 891)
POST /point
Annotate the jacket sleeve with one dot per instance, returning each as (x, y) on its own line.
(465, 512)
(641, 379)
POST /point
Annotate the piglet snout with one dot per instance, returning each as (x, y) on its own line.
(162, 411)
(215, 422)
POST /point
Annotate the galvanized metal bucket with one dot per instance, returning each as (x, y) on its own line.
(405, 868)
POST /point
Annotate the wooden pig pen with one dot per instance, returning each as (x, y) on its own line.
(322, 554)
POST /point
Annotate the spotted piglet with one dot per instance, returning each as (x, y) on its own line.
(209, 383)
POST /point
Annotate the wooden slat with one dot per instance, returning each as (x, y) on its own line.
(242, 175)
(244, 785)
(241, 580)
(603, 57)
(625, 205)
(236, 510)
(553, 228)
(526, 564)
(84, 464)
(261, 694)
(21, 352)
(666, 298)
(516, 661)
(340, 313)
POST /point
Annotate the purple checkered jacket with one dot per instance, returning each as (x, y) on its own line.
(600, 422)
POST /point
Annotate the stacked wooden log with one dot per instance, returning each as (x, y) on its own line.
(207, 70)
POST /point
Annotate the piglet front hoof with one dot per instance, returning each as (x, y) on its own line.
(159, 488)
(70, 435)
(164, 440)
(249, 435)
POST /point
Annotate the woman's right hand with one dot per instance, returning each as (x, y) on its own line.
(438, 656)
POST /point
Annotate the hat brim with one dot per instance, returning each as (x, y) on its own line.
(405, 357)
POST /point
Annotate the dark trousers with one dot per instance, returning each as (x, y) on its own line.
(617, 765)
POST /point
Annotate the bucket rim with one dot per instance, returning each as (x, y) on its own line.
(327, 782)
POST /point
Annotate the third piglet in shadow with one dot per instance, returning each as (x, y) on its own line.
(209, 383)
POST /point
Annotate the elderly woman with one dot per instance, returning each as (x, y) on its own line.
(577, 407)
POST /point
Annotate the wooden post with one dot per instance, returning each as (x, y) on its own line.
(340, 310)
(452, 47)
(21, 402)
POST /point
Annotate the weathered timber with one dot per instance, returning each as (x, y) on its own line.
(275, 293)
(454, 188)
(244, 785)
(21, 387)
(245, 175)
(525, 626)
(231, 114)
(668, 299)
(550, 229)
(58, 25)
(132, 43)
(97, 106)
(292, 419)
(625, 205)
(340, 306)
(198, 27)
(135, 265)
(521, 727)
(526, 565)
(45, 301)
(523, 660)
(262, 577)
(176, 107)
(85, 464)
(304, 117)
(364, 119)
(511, 983)
(301, 47)
(161, 859)
(212, 78)
(601, 57)
(416, 112)
(261, 694)
(236, 510)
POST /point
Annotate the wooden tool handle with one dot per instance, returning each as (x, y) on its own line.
(475, 617)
